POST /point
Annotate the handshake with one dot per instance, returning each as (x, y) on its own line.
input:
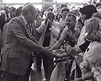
(59, 53)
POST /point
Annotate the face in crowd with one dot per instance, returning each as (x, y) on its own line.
(71, 21)
(64, 12)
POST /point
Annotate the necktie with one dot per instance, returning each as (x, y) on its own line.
(29, 27)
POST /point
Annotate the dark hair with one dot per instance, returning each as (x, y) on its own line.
(72, 14)
(57, 17)
(18, 11)
(13, 9)
(79, 20)
(65, 9)
(88, 10)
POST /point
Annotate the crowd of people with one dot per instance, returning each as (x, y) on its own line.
(67, 43)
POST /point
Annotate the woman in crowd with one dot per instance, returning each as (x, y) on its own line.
(86, 13)
(93, 52)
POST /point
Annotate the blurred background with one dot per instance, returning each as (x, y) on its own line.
(43, 4)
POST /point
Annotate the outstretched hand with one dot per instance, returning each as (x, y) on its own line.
(68, 48)
(57, 55)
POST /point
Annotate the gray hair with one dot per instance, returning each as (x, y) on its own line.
(28, 8)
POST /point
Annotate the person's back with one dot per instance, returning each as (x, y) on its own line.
(2, 19)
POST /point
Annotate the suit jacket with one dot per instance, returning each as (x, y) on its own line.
(18, 47)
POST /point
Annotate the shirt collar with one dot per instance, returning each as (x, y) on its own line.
(25, 22)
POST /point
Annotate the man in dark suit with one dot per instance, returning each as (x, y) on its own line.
(18, 46)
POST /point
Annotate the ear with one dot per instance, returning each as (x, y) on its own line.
(29, 13)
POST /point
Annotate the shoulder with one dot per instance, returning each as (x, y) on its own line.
(95, 46)
(15, 20)
(67, 30)
(14, 23)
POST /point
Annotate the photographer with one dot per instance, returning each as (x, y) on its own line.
(45, 41)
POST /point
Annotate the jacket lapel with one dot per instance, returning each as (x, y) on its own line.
(26, 30)
(24, 26)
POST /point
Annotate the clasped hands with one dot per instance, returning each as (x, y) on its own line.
(61, 52)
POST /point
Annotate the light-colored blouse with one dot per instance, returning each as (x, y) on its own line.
(92, 54)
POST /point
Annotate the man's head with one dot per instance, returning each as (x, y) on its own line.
(29, 13)
(71, 20)
(18, 11)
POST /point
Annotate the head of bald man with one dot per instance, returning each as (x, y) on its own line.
(29, 12)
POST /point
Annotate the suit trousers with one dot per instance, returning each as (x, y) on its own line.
(47, 63)
(7, 76)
